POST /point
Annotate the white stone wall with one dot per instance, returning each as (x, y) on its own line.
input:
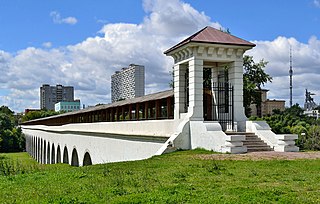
(101, 148)
(104, 142)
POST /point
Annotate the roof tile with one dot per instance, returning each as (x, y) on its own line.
(214, 36)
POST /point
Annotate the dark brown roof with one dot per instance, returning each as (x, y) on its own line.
(150, 97)
(213, 36)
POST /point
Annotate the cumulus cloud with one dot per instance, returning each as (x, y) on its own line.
(47, 44)
(56, 17)
(88, 65)
(305, 62)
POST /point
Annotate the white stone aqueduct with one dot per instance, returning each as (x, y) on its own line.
(84, 143)
(50, 152)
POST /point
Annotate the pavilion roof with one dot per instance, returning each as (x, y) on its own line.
(212, 36)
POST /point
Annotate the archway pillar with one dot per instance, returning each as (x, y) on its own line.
(179, 89)
(235, 76)
(195, 109)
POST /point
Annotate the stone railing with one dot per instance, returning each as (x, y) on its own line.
(280, 143)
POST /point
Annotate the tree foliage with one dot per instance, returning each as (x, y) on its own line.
(11, 136)
(39, 114)
(253, 78)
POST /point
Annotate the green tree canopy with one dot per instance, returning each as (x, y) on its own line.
(39, 114)
(253, 78)
(11, 137)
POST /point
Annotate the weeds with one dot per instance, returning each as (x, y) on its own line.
(10, 167)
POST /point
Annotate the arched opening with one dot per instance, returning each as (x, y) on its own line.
(32, 152)
(74, 158)
(48, 154)
(58, 154)
(87, 159)
(53, 155)
(41, 151)
(65, 156)
(45, 152)
(38, 150)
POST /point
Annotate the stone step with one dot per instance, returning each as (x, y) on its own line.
(252, 142)
(258, 149)
(256, 145)
(240, 133)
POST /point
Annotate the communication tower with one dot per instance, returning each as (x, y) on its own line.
(290, 74)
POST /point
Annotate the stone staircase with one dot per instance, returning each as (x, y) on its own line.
(252, 142)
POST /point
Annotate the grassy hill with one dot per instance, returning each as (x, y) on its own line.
(180, 177)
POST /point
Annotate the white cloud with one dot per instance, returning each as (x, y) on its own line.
(316, 3)
(56, 17)
(88, 65)
(305, 62)
(47, 44)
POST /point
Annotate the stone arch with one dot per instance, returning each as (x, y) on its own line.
(65, 155)
(41, 150)
(48, 154)
(53, 154)
(44, 151)
(87, 159)
(74, 158)
(58, 160)
(38, 148)
(32, 145)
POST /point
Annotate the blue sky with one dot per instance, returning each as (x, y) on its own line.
(81, 43)
(28, 23)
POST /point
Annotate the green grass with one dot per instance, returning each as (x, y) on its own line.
(179, 177)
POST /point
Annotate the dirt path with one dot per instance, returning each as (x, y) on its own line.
(263, 156)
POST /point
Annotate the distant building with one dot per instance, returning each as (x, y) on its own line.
(267, 105)
(312, 113)
(127, 83)
(50, 95)
(67, 106)
(30, 110)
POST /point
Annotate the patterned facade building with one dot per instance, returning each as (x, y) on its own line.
(128, 83)
(50, 95)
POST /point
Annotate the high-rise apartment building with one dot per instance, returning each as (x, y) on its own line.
(127, 83)
(50, 95)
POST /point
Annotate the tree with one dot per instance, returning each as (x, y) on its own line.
(6, 110)
(11, 137)
(253, 78)
(39, 114)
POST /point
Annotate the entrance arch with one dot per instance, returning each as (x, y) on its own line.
(65, 156)
(74, 158)
(45, 152)
(58, 154)
(48, 154)
(38, 150)
(53, 155)
(87, 159)
(41, 151)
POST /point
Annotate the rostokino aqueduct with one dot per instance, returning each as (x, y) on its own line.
(205, 110)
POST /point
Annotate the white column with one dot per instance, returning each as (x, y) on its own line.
(236, 79)
(195, 109)
(179, 90)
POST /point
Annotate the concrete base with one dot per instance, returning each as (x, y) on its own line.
(209, 135)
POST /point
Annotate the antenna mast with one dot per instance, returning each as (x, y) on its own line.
(290, 73)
